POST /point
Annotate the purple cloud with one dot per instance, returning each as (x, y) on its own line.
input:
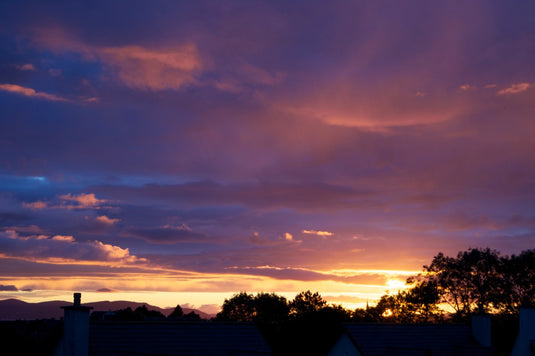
(220, 138)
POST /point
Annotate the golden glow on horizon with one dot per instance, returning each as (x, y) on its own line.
(164, 288)
(348, 272)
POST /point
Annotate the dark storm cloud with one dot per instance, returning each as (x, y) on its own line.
(8, 288)
(166, 235)
(304, 196)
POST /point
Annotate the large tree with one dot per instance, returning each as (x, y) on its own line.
(521, 279)
(240, 307)
(266, 308)
(306, 303)
(474, 281)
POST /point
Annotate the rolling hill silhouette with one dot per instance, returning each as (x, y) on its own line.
(14, 309)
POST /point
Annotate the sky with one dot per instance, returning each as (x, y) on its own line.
(183, 151)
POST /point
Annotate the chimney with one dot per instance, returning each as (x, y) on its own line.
(526, 333)
(481, 330)
(76, 328)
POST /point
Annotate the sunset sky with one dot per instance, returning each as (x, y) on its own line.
(181, 151)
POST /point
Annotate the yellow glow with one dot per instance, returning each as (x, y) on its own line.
(387, 313)
(142, 281)
(348, 272)
(395, 285)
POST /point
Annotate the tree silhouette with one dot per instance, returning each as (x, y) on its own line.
(240, 307)
(177, 313)
(306, 303)
(521, 280)
(474, 281)
(270, 308)
(266, 308)
(139, 314)
(422, 301)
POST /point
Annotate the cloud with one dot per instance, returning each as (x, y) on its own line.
(55, 72)
(167, 234)
(81, 201)
(466, 87)
(106, 220)
(303, 196)
(62, 238)
(29, 92)
(288, 236)
(32, 232)
(515, 89)
(32, 229)
(26, 67)
(318, 233)
(37, 205)
(305, 274)
(60, 249)
(137, 67)
(8, 288)
(257, 239)
(154, 69)
(71, 202)
(106, 290)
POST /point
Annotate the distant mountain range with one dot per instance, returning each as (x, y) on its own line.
(14, 309)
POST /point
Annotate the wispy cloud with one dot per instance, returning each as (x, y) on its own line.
(155, 69)
(26, 67)
(62, 238)
(37, 205)
(55, 72)
(515, 89)
(466, 87)
(81, 201)
(318, 233)
(106, 290)
(138, 67)
(59, 249)
(71, 201)
(103, 219)
(29, 92)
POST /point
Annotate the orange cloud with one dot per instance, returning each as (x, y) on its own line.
(144, 68)
(82, 201)
(371, 112)
(318, 233)
(106, 220)
(29, 92)
(38, 205)
(112, 252)
(62, 238)
(61, 249)
(26, 67)
(515, 89)
(135, 66)
(466, 87)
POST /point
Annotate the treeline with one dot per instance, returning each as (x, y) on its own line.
(475, 281)
(142, 313)
(450, 289)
